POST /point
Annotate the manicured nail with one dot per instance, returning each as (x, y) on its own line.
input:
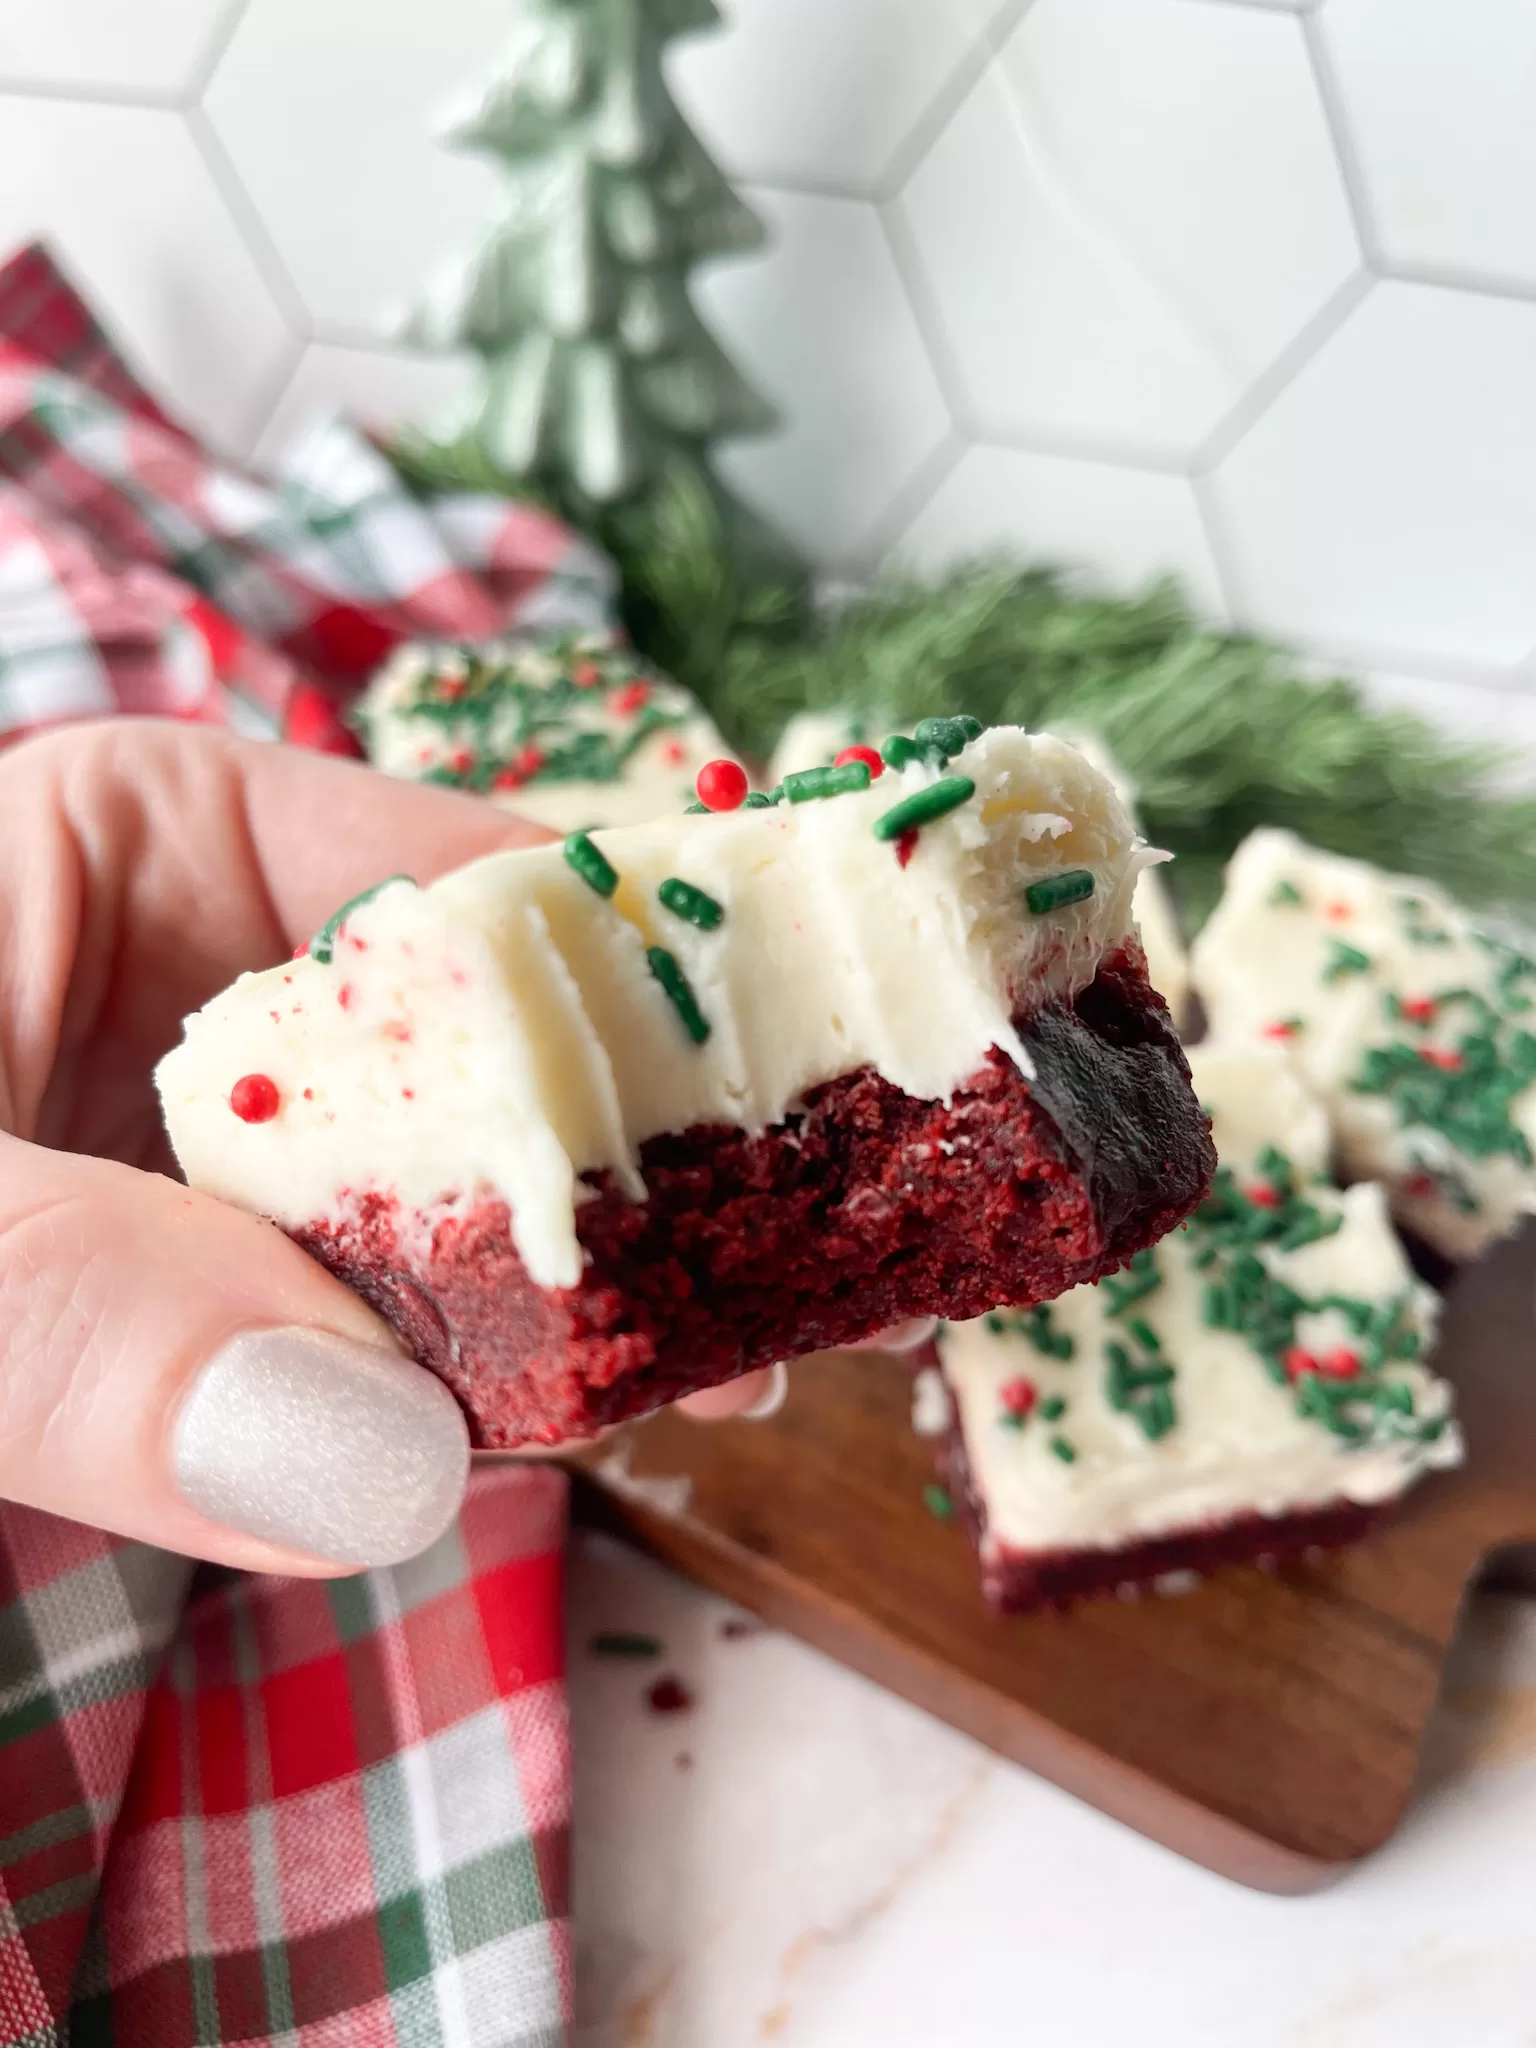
(344, 1451)
(772, 1398)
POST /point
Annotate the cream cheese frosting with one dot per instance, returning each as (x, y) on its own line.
(1227, 1372)
(1417, 1031)
(571, 733)
(813, 738)
(512, 1028)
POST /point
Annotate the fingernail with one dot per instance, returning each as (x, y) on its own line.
(773, 1397)
(902, 1337)
(345, 1451)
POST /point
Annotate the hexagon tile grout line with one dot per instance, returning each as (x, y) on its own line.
(247, 220)
(907, 504)
(218, 46)
(934, 335)
(1340, 135)
(1449, 277)
(143, 98)
(1208, 512)
(930, 124)
(1282, 371)
(264, 407)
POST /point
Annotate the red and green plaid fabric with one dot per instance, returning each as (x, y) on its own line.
(140, 573)
(310, 1815)
(306, 1813)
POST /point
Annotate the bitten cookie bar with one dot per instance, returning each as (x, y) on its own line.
(598, 1124)
(573, 734)
(1417, 1030)
(816, 738)
(1254, 1385)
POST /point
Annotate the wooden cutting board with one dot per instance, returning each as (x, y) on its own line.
(1267, 1725)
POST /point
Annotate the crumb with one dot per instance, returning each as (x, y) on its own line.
(737, 1627)
(684, 1760)
(669, 1696)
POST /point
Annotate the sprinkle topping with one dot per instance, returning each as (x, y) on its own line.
(938, 1503)
(668, 971)
(1345, 959)
(254, 1099)
(867, 755)
(924, 806)
(1057, 891)
(812, 783)
(589, 861)
(722, 785)
(322, 946)
(692, 905)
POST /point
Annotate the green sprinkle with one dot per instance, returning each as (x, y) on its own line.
(1144, 1334)
(945, 736)
(899, 752)
(1060, 1448)
(938, 1503)
(692, 905)
(924, 806)
(694, 810)
(669, 973)
(616, 1643)
(322, 946)
(1285, 893)
(1057, 891)
(1052, 1408)
(995, 1323)
(594, 868)
(811, 783)
(756, 802)
(1344, 959)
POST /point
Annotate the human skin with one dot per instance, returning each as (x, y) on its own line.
(143, 866)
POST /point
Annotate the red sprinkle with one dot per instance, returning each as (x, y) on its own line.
(674, 754)
(461, 761)
(300, 951)
(309, 1094)
(346, 995)
(867, 755)
(1263, 1196)
(1420, 1186)
(906, 846)
(1342, 1364)
(632, 698)
(1340, 911)
(669, 1696)
(1442, 1057)
(450, 688)
(254, 1099)
(1298, 1361)
(1281, 1028)
(1018, 1396)
(586, 675)
(721, 785)
(1419, 1009)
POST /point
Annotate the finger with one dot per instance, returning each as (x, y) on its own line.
(752, 1398)
(144, 866)
(900, 1338)
(179, 1372)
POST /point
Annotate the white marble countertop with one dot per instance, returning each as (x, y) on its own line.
(802, 1859)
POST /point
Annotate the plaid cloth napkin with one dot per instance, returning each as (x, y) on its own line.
(261, 1810)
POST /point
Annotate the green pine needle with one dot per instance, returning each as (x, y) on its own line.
(1217, 730)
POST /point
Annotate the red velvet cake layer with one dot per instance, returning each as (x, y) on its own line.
(1052, 1581)
(863, 1208)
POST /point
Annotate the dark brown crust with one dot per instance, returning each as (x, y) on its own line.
(863, 1208)
(1040, 1581)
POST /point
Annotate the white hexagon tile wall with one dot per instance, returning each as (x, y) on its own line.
(1241, 290)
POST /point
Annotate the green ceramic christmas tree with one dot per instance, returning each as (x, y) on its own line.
(597, 382)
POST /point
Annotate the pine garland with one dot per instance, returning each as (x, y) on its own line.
(1218, 731)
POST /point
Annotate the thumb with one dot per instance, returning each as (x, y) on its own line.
(179, 1372)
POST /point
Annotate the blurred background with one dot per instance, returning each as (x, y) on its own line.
(1240, 290)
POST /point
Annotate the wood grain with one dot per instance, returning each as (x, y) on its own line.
(1268, 1725)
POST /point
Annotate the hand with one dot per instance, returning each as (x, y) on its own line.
(171, 1368)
